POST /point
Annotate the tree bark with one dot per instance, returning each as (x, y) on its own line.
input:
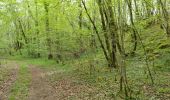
(166, 17)
(134, 36)
(47, 28)
(96, 31)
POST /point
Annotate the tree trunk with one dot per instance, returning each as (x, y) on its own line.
(37, 29)
(113, 31)
(166, 17)
(96, 31)
(134, 36)
(46, 7)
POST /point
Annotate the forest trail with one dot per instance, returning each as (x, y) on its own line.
(33, 81)
(9, 81)
(40, 87)
(63, 89)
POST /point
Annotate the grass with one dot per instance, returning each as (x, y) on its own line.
(20, 89)
(43, 63)
(139, 81)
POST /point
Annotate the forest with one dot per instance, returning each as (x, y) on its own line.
(84, 49)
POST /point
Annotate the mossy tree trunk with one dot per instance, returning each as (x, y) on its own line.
(47, 29)
(166, 17)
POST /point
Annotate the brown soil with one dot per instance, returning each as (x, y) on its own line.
(7, 83)
(40, 88)
(69, 89)
(63, 89)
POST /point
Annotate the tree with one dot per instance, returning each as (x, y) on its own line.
(47, 29)
(165, 16)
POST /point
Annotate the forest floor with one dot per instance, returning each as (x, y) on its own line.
(35, 84)
(47, 80)
(8, 78)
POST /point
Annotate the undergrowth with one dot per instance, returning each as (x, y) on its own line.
(20, 89)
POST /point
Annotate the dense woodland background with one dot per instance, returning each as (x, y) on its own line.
(121, 47)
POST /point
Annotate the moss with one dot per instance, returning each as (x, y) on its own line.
(164, 46)
(163, 43)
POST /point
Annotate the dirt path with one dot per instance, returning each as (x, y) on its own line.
(63, 89)
(6, 85)
(40, 88)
